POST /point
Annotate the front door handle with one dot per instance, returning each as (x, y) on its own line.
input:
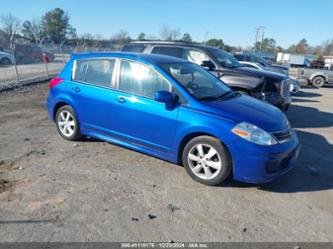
(121, 100)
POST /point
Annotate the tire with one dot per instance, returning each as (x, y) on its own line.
(318, 81)
(199, 162)
(5, 61)
(67, 126)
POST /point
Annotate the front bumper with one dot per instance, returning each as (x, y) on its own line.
(259, 164)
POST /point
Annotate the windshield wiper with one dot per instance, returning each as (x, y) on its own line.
(222, 96)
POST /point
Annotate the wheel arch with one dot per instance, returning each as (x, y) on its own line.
(190, 136)
(313, 76)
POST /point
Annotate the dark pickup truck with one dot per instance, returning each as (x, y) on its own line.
(267, 86)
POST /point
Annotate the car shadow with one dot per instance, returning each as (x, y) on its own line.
(307, 94)
(309, 117)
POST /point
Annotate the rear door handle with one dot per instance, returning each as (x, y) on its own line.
(121, 99)
(76, 89)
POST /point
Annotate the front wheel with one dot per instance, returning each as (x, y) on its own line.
(206, 160)
(67, 124)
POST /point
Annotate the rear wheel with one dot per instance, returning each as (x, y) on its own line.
(67, 124)
(318, 81)
(206, 160)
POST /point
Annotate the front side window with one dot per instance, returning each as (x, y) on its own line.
(196, 56)
(197, 81)
(138, 79)
(225, 59)
(97, 71)
(170, 51)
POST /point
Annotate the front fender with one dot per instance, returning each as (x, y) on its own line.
(203, 123)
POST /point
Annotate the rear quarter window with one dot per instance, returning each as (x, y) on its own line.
(134, 48)
(171, 51)
(98, 72)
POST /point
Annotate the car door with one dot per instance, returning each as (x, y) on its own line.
(139, 118)
(91, 89)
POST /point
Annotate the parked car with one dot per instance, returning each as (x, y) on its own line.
(6, 58)
(174, 110)
(26, 54)
(266, 86)
(262, 62)
(294, 83)
(315, 77)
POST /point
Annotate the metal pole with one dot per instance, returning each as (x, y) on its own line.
(13, 53)
(256, 39)
(41, 48)
(61, 51)
(262, 39)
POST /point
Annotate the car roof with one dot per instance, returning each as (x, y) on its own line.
(179, 44)
(148, 58)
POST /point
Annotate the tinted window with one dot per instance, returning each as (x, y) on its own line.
(97, 72)
(141, 80)
(134, 48)
(196, 56)
(171, 51)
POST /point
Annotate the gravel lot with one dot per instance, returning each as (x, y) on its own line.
(56, 190)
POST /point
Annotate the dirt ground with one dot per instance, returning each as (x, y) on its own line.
(56, 190)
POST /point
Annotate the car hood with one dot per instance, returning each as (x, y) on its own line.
(262, 73)
(244, 108)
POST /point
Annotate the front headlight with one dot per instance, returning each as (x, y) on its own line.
(253, 134)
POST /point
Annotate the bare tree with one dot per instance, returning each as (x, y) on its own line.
(121, 37)
(169, 34)
(10, 25)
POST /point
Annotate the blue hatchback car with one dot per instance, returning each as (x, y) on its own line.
(175, 110)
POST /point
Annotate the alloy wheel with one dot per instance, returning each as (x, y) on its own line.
(66, 123)
(204, 161)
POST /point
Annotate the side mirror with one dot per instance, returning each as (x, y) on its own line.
(164, 97)
(208, 64)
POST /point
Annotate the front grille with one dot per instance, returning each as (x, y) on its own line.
(282, 136)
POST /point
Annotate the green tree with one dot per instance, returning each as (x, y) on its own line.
(267, 45)
(302, 46)
(31, 30)
(55, 25)
(186, 37)
(215, 43)
(141, 37)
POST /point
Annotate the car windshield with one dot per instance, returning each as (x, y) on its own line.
(225, 59)
(197, 81)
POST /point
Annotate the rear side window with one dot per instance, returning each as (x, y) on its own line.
(139, 79)
(98, 72)
(171, 51)
(134, 48)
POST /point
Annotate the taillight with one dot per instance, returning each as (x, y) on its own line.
(55, 81)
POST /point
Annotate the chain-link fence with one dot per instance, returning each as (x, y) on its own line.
(25, 62)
